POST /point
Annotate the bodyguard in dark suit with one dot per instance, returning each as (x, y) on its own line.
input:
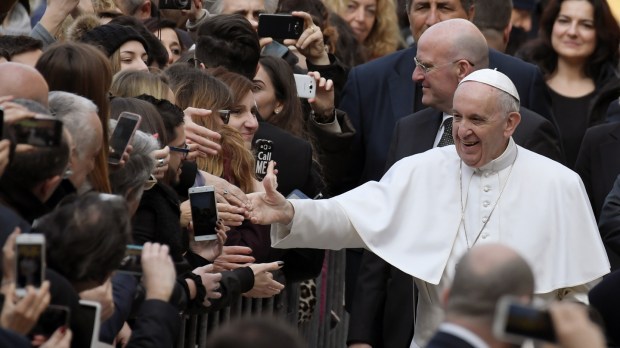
(385, 292)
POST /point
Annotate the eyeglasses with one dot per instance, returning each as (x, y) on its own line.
(427, 69)
(184, 150)
(224, 115)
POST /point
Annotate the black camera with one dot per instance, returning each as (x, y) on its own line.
(175, 4)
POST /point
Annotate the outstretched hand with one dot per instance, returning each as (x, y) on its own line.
(270, 206)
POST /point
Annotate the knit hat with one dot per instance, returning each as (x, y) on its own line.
(112, 36)
(493, 78)
(524, 4)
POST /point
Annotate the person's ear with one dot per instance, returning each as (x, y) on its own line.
(506, 36)
(514, 118)
(279, 107)
(145, 8)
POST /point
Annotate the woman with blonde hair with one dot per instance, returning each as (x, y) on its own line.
(132, 83)
(374, 23)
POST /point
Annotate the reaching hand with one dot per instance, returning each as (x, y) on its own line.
(323, 102)
(233, 257)
(270, 206)
(211, 282)
(162, 157)
(573, 327)
(159, 275)
(310, 43)
(230, 214)
(226, 192)
(264, 285)
(61, 338)
(21, 315)
(196, 134)
(210, 249)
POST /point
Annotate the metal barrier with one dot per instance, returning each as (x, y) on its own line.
(326, 329)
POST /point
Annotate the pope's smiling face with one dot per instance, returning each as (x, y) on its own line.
(481, 129)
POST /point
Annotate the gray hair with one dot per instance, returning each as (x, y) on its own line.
(476, 290)
(139, 167)
(216, 6)
(33, 106)
(71, 110)
(506, 103)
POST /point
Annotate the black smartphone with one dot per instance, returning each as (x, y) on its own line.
(515, 322)
(280, 26)
(30, 261)
(131, 263)
(204, 212)
(263, 152)
(38, 131)
(52, 318)
(90, 317)
(121, 136)
(175, 4)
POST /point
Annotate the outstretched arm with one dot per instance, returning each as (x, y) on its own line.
(270, 206)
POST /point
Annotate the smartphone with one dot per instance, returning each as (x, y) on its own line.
(90, 314)
(306, 86)
(29, 261)
(263, 152)
(121, 136)
(131, 263)
(280, 26)
(52, 318)
(275, 49)
(38, 131)
(204, 212)
(175, 4)
(516, 322)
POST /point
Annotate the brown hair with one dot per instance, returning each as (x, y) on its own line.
(84, 70)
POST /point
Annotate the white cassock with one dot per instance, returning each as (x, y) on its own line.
(413, 219)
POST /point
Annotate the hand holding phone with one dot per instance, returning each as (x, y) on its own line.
(52, 318)
(131, 263)
(204, 212)
(306, 86)
(30, 261)
(38, 131)
(121, 136)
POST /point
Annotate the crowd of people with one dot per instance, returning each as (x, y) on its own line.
(460, 150)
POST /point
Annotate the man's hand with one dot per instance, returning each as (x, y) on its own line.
(573, 327)
(233, 257)
(158, 273)
(310, 43)
(264, 285)
(103, 295)
(162, 157)
(206, 139)
(270, 206)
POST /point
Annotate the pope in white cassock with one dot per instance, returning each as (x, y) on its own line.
(431, 208)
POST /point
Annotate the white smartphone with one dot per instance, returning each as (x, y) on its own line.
(91, 314)
(515, 322)
(306, 86)
(204, 212)
(121, 136)
(29, 261)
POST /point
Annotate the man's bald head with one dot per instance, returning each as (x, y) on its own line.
(458, 39)
(483, 276)
(23, 81)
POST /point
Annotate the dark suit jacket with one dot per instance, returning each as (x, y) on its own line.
(293, 156)
(598, 162)
(447, 340)
(383, 315)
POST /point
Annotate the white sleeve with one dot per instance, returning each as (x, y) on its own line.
(320, 224)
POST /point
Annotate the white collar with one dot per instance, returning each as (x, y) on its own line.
(503, 161)
(463, 334)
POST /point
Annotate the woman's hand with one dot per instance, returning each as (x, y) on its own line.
(323, 102)
(310, 43)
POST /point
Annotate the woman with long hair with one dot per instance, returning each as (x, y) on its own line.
(577, 51)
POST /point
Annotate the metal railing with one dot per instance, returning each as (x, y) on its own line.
(327, 327)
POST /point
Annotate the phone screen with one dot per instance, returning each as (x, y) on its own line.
(529, 322)
(38, 132)
(131, 263)
(29, 265)
(204, 214)
(89, 319)
(121, 136)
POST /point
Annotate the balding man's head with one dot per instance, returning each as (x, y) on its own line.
(459, 39)
(23, 81)
(482, 276)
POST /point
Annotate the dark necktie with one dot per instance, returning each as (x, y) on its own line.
(446, 137)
